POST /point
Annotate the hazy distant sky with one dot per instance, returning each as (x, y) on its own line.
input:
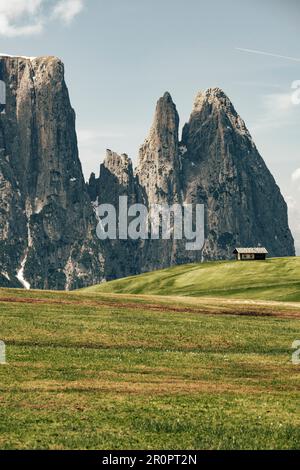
(122, 55)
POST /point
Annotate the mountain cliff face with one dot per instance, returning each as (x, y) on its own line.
(46, 219)
(159, 175)
(215, 164)
(223, 169)
(47, 212)
(116, 179)
(159, 164)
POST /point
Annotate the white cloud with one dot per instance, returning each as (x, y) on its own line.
(280, 102)
(278, 110)
(296, 175)
(28, 17)
(66, 10)
(20, 17)
(13, 9)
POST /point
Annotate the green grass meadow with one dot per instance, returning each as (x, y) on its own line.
(273, 279)
(87, 370)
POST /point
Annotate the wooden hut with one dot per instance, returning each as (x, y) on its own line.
(250, 254)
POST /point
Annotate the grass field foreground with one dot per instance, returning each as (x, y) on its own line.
(94, 371)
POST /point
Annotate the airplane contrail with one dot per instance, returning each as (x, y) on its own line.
(253, 51)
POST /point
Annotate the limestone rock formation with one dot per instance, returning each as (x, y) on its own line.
(46, 219)
(215, 164)
(223, 169)
(48, 214)
(159, 175)
(116, 179)
(159, 164)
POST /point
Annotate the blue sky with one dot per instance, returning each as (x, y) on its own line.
(122, 55)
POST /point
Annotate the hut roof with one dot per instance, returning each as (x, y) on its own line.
(259, 250)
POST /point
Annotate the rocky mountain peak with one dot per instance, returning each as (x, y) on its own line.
(213, 96)
(223, 169)
(120, 167)
(166, 115)
(167, 97)
(114, 160)
(215, 104)
(159, 157)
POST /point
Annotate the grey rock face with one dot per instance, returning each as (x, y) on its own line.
(159, 165)
(223, 169)
(116, 179)
(215, 164)
(47, 221)
(47, 212)
(159, 175)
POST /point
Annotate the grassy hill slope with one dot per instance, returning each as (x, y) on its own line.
(274, 279)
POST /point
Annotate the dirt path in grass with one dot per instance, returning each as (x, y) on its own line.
(206, 306)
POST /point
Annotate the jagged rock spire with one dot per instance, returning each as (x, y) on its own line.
(159, 160)
(223, 169)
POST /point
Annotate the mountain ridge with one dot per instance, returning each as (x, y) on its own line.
(47, 220)
(215, 163)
